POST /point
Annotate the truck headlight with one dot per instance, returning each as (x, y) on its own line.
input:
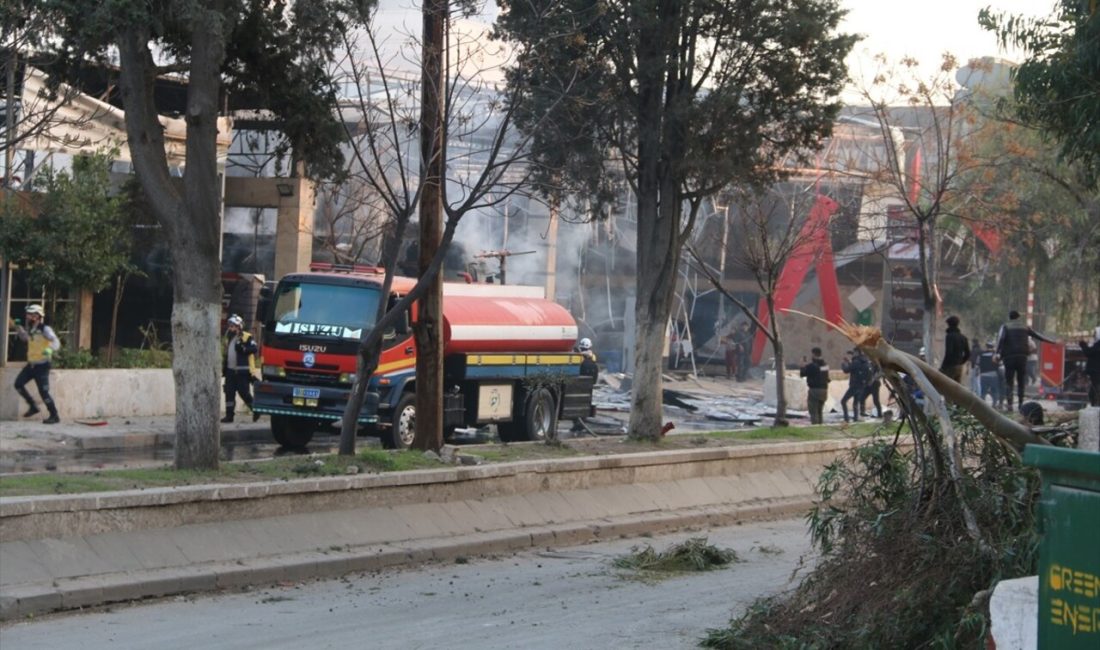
(274, 371)
(347, 377)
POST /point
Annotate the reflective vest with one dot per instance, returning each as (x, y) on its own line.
(37, 344)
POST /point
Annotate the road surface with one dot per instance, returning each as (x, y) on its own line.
(551, 598)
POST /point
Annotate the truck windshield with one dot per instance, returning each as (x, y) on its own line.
(328, 310)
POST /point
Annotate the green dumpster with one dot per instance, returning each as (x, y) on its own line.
(1069, 554)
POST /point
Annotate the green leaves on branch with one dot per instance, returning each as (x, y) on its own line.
(74, 234)
(1058, 86)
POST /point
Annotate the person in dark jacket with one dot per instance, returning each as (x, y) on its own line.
(858, 368)
(816, 372)
(1013, 348)
(1092, 366)
(956, 353)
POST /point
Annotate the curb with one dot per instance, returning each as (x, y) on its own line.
(77, 593)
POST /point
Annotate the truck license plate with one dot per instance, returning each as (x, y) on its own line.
(308, 393)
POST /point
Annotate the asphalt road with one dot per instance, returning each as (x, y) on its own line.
(567, 598)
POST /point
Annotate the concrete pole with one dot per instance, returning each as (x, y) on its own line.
(552, 251)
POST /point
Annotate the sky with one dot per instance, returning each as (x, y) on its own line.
(927, 28)
(923, 29)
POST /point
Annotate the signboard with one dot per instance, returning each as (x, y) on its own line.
(494, 402)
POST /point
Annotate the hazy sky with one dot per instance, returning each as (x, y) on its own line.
(927, 28)
(921, 28)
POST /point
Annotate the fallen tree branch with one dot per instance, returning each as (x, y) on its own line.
(871, 341)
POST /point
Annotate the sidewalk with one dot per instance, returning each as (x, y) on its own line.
(113, 433)
(71, 551)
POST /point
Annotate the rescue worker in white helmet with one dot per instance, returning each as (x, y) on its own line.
(238, 366)
(42, 342)
(588, 369)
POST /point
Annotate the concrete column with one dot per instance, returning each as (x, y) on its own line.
(83, 333)
(1014, 614)
(1088, 429)
(294, 225)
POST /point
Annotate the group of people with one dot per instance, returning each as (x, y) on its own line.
(998, 368)
(864, 381)
(738, 351)
(239, 354)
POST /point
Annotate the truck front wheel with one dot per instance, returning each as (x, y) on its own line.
(292, 432)
(403, 428)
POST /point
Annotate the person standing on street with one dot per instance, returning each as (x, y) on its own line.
(238, 364)
(743, 342)
(858, 368)
(956, 352)
(42, 342)
(975, 376)
(989, 378)
(589, 368)
(730, 355)
(1013, 348)
(816, 372)
(1092, 366)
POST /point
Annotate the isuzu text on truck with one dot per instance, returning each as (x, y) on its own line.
(507, 352)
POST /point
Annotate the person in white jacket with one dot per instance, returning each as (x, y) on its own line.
(41, 342)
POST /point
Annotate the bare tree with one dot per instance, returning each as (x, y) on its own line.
(484, 166)
(771, 233)
(923, 125)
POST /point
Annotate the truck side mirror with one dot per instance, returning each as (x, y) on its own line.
(263, 303)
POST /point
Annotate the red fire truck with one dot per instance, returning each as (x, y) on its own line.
(507, 351)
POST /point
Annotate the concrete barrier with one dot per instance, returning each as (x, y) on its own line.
(95, 393)
(55, 516)
(70, 551)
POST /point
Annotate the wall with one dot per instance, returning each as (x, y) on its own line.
(96, 393)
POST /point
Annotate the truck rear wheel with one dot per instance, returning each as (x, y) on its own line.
(292, 432)
(541, 418)
(403, 427)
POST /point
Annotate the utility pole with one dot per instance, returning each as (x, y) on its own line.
(429, 323)
(9, 176)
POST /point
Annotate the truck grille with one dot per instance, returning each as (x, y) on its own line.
(313, 378)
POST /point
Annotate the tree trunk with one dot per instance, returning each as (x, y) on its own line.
(191, 223)
(120, 284)
(780, 370)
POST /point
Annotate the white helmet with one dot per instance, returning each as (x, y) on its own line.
(236, 320)
(36, 309)
(584, 345)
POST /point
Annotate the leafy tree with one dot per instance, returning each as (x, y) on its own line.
(688, 96)
(1057, 88)
(279, 52)
(1046, 220)
(79, 238)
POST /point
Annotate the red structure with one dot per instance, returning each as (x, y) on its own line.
(814, 248)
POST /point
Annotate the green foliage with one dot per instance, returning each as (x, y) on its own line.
(692, 555)
(1058, 86)
(79, 238)
(279, 53)
(899, 568)
(143, 358)
(731, 88)
(74, 359)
